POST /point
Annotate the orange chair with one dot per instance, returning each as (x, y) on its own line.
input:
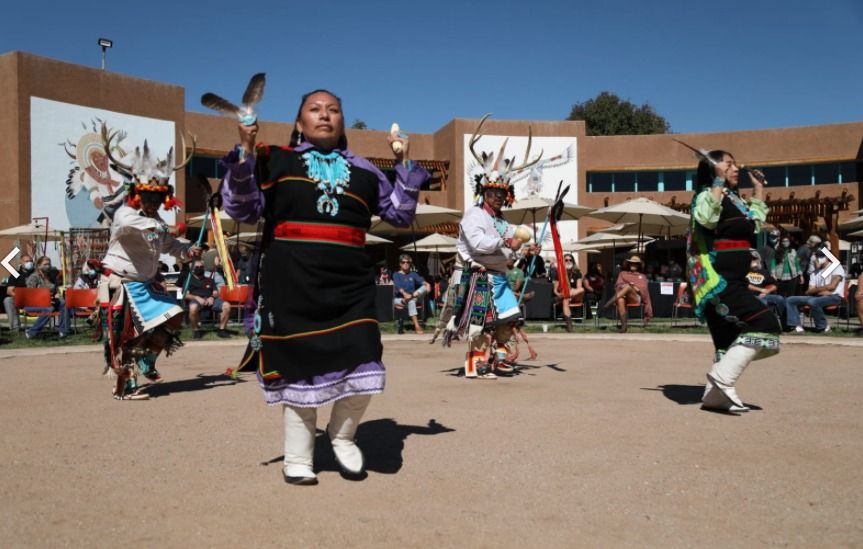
(34, 298)
(81, 302)
(237, 297)
(682, 301)
(835, 308)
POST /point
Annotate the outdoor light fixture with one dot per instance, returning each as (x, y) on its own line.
(105, 43)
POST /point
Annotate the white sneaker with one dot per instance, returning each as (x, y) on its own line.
(799, 329)
(826, 329)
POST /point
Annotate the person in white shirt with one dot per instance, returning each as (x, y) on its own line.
(825, 289)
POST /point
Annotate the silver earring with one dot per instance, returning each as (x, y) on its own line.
(299, 138)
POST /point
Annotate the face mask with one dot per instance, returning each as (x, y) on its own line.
(45, 268)
(28, 266)
(785, 243)
(199, 271)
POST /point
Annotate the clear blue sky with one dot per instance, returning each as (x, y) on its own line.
(733, 66)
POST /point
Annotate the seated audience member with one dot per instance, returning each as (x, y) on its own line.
(25, 269)
(384, 276)
(576, 288)
(857, 280)
(762, 283)
(539, 266)
(243, 265)
(631, 289)
(42, 278)
(204, 295)
(824, 290)
(88, 278)
(675, 271)
(409, 287)
(594, 283)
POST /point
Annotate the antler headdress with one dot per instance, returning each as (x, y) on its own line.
(146, 173)
(497, 170)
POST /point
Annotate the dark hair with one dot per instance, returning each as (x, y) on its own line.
(705, 174)
(295, 134)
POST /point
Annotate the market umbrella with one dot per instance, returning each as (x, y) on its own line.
(650, 229)
(643, 212)
(32, 230)
(372, 240)
(856, 233)
(434, 242)
(426, 216)
(532, 206)
(856, 223)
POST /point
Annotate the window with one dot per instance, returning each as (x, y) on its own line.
(800, 174)
(674, 181)
(775, 175)
(648, 181)
(850, 171)
(624, 182)
(600, 182)
(826, 173)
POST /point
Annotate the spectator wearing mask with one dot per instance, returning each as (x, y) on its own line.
(824, 290)
(25, 269)
(763, 285)
(42, 278)
(244, 265)
(806, 257)
(857, 279)
(88, 278)
(204, 295)
(786, 268)
(768, 251)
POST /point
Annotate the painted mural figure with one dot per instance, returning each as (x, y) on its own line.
(92, 175)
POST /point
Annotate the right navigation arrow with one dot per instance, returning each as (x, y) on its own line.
(833, 262)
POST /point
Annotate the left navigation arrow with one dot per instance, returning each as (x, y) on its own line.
(8, 266)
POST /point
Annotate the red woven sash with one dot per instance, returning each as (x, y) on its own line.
(320, 232)
(732, 245)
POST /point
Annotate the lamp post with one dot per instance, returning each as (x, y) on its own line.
(105, 44)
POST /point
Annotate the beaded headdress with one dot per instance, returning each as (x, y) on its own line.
(497, 171)
(146, 173)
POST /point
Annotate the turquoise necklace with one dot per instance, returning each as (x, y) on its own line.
(332, 174)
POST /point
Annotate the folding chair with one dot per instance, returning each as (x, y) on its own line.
(34, 298)
(81, 302)
(682, 301)
(236, 298)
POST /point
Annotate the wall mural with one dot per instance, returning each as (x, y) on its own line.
(71, 181)
(559, 163)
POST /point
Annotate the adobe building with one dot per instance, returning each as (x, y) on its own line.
(50, 112)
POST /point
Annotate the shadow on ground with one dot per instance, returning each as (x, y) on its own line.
(381, 440)
(200, 382)
(690, 394)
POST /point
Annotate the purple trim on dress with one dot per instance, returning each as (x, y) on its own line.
(364, 379)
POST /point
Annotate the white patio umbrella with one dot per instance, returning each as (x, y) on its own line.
(536, 207)
(855, 223)
(643, 212)
(426, 216)
(372, 240)
(32, 230)
(649, 229)
(856, 233)
(434, 242)
(601, 241)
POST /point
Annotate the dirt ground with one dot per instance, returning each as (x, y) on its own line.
(599, 443)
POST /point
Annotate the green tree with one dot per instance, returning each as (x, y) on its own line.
(607, 114)
(359, 125)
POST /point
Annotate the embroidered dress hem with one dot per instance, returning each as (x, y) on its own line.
(364, 379)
